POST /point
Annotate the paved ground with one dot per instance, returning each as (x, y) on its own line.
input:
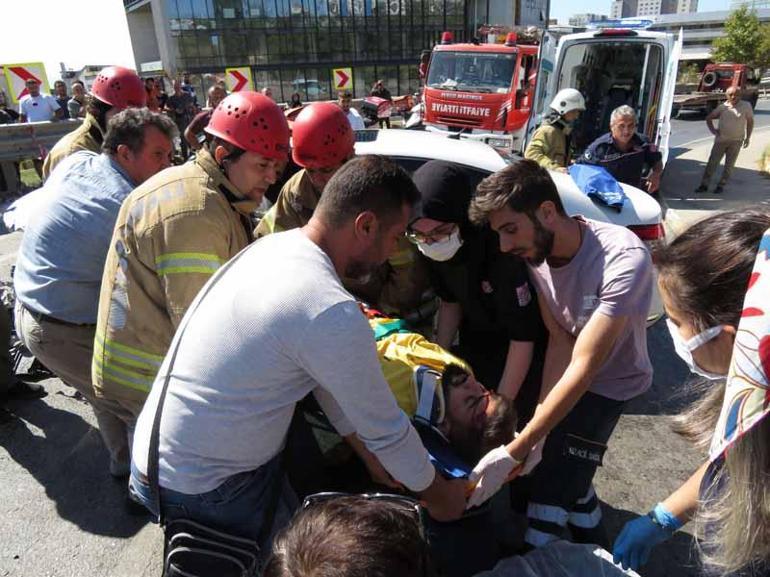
(62, 515)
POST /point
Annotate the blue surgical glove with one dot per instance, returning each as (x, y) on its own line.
(635, 543)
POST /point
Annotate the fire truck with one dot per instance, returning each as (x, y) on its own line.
(481, 91)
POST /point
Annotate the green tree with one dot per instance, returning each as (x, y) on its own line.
(746, 41)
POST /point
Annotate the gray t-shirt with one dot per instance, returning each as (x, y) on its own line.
(611, 274)
(276, 325)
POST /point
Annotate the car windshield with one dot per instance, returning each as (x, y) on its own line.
(471, 71)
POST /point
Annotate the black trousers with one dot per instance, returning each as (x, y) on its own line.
(561, 486)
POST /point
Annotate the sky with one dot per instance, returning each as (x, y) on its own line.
(79, 32)
(76, 32)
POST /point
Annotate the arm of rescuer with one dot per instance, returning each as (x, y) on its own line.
(450, 315)
(639, 536)
(627, 287)
(185, 252)
(339, 353)
(541, 147)
(522, 319)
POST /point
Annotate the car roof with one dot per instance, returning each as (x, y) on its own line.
(415, 144)
(640, 209)
(593, 35)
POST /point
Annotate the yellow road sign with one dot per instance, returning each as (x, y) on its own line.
(342, 78)
(239, 79)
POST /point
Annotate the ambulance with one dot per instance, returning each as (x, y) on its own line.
(620, 62)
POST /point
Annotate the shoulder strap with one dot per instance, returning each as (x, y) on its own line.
(154, 454)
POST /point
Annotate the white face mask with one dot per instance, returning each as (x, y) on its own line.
(685, 348)
(442, 250)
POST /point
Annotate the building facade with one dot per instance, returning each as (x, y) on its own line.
(582, 20)
(294, 45)
(700, 30)
(622, 9)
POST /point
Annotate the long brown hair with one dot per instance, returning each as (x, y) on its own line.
(705, 273)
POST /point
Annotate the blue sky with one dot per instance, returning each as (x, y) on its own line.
(563, 9)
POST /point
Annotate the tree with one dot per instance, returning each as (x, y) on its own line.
(746, 41)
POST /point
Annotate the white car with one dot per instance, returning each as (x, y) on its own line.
(641, 213)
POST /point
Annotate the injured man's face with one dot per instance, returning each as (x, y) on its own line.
(477, 420)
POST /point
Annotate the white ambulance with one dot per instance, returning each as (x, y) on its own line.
(620, 62)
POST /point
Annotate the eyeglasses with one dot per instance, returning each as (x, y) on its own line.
(438, 234)
(407, 504)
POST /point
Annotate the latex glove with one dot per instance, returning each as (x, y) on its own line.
(633, 546)
(534, 457)
(490, 474)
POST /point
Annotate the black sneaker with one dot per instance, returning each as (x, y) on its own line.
(701, 188)
(719, 189)
(24, 390)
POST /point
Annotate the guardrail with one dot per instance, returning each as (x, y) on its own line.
(28, 140)
(32, 139)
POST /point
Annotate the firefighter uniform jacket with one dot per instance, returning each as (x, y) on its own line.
(549, 147)
(173, 232)
(398, 285)
(87, 136)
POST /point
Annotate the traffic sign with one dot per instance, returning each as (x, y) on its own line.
(17, 75)
(239, 79)
(343, 78)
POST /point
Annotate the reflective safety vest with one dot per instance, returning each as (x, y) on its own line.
(173, 232)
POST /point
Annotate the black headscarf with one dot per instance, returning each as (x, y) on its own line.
(445, 192)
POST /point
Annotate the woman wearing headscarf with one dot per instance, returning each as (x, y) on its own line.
(721, 329)
(486, 299)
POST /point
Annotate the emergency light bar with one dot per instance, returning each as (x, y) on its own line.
(447, 37)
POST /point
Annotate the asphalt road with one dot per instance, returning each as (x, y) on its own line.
(690, 127)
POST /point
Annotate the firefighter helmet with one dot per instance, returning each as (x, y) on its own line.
(119, 87)
(253, 122)
(322, 136)
(568, 99)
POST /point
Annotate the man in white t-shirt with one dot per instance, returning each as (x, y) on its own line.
(736, 122)
(270, 327)
(346, 103)
(36, 107)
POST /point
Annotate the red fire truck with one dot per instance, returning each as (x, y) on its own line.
(481, 91)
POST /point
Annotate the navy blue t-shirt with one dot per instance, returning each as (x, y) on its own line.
(626, 167)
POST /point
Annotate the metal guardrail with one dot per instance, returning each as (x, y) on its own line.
(32, 139)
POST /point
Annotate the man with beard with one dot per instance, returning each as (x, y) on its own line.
(274, 325)
(594, 283)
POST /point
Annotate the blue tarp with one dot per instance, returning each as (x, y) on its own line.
(596, 182)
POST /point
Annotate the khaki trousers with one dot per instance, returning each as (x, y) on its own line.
(727, 148)
(67, 350)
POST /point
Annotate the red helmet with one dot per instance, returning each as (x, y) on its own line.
(120, 88)
(253, 122)
(322, 136)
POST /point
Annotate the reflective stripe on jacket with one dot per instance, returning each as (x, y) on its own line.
(173, 232)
